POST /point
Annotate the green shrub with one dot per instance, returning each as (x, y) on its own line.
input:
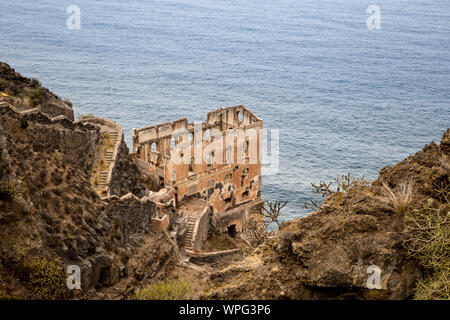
(45, 279)
(8, 191)
(428, 242)
(4, 84)
(434, 286)
(164, 290)
(36, 95)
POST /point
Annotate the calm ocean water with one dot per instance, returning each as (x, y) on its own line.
(345, 99)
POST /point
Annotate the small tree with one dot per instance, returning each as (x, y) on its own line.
(256, 229)
(339, 185)
(274, 211)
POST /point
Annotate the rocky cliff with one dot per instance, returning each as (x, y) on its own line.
(362, 229)
(25, 94)
(50, 214)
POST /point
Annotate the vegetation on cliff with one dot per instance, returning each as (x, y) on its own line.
(50, 215)
(428, 241)
(398, 224)
(175, 289)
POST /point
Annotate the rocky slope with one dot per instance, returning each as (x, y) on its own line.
(26, 94)
(327, 254)
(50, 215)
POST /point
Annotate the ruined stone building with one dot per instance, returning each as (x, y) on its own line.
(212, 169)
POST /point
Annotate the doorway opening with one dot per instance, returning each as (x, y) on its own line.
(231, 230)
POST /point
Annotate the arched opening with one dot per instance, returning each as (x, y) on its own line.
(231, 230)
(239, 116)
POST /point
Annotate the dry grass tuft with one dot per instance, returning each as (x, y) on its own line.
(400, 199)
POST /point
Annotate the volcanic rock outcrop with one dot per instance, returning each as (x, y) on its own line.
(332, 253)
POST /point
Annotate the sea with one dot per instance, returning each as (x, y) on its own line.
(350, 86)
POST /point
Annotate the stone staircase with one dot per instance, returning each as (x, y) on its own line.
(107, 127)
(109, 158)
(105, 175)
(190, 233)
